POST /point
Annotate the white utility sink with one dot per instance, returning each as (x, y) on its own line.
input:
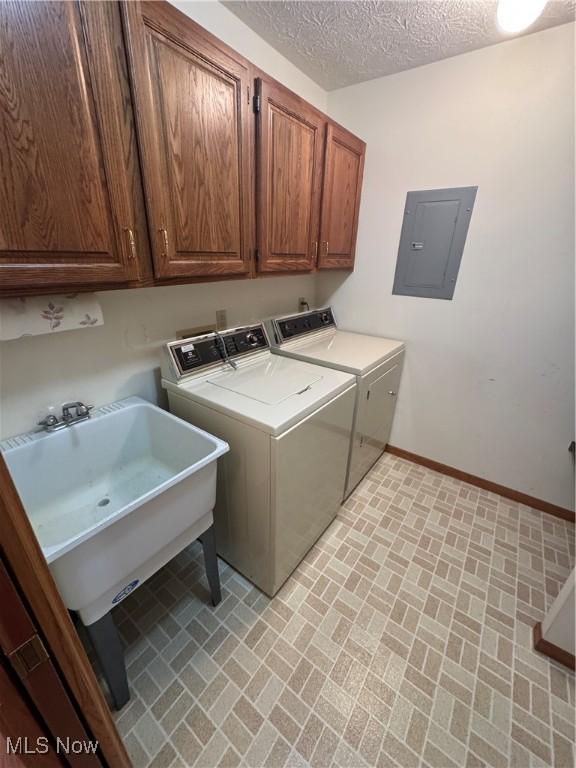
(112, 499)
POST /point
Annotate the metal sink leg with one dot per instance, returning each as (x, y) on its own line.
(211, 564)
(110, 656)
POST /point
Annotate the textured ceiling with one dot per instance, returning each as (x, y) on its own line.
(345, 42)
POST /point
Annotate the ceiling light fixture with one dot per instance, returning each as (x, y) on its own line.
(517, 15)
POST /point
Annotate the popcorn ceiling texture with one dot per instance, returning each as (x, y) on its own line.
(346, 42)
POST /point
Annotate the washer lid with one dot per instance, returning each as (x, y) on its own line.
(272, 393)
(268, 383)
(346, 351)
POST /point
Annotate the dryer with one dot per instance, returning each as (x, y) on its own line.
(288, 424)
(376, 363)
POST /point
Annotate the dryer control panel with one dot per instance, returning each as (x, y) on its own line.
(304, 322)
(197, 352)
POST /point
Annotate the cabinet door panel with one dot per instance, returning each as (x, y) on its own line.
(192, 111)
(343, 169)
(290, 147)
(68, 213)
(375, 418)
(376, 406)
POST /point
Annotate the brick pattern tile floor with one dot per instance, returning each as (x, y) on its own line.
(403, 639)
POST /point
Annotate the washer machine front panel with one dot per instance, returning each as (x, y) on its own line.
(315, 338)
(288, 425)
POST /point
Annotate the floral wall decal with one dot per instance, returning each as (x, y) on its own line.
(88, 320)
(53, 314)
(48, 314)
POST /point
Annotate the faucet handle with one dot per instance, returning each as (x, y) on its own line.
(48, 421)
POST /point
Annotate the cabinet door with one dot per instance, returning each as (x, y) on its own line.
(290, 144)
(193, 125)
(343, 169)
(20, 723)
(31, 663)
(69, 207)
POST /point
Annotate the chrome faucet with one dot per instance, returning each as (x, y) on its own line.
(81, 412)
(72, 413)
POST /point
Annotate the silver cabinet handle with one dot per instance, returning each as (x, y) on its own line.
(391, 392)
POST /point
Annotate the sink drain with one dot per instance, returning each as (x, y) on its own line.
(104, 502)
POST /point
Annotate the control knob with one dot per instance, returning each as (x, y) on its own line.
(325, 318)
(252, 339)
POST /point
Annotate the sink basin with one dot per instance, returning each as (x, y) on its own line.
(113, 498)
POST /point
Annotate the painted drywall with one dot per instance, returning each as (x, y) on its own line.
(99, 365)
(122, 357)
(488, 385)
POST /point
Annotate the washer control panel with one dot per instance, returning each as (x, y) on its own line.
(305, 322)
(197, 352)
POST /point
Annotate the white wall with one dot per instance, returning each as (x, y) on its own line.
(488, 385)
(122, 357)
(98, 365)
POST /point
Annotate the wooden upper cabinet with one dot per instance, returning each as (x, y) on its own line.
(86, 190)
(69, 184)
(343, 169)
(193, 120)
(290, 145)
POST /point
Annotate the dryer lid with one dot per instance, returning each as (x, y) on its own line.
(343, 350)
(269, 382)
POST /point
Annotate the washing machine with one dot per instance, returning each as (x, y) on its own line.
(288, 424)
(376, 363)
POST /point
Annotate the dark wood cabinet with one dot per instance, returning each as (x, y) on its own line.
(130, 155)
(194, 129)
(309, 179)
(290, 146)
(71, 206)
(343, 169)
